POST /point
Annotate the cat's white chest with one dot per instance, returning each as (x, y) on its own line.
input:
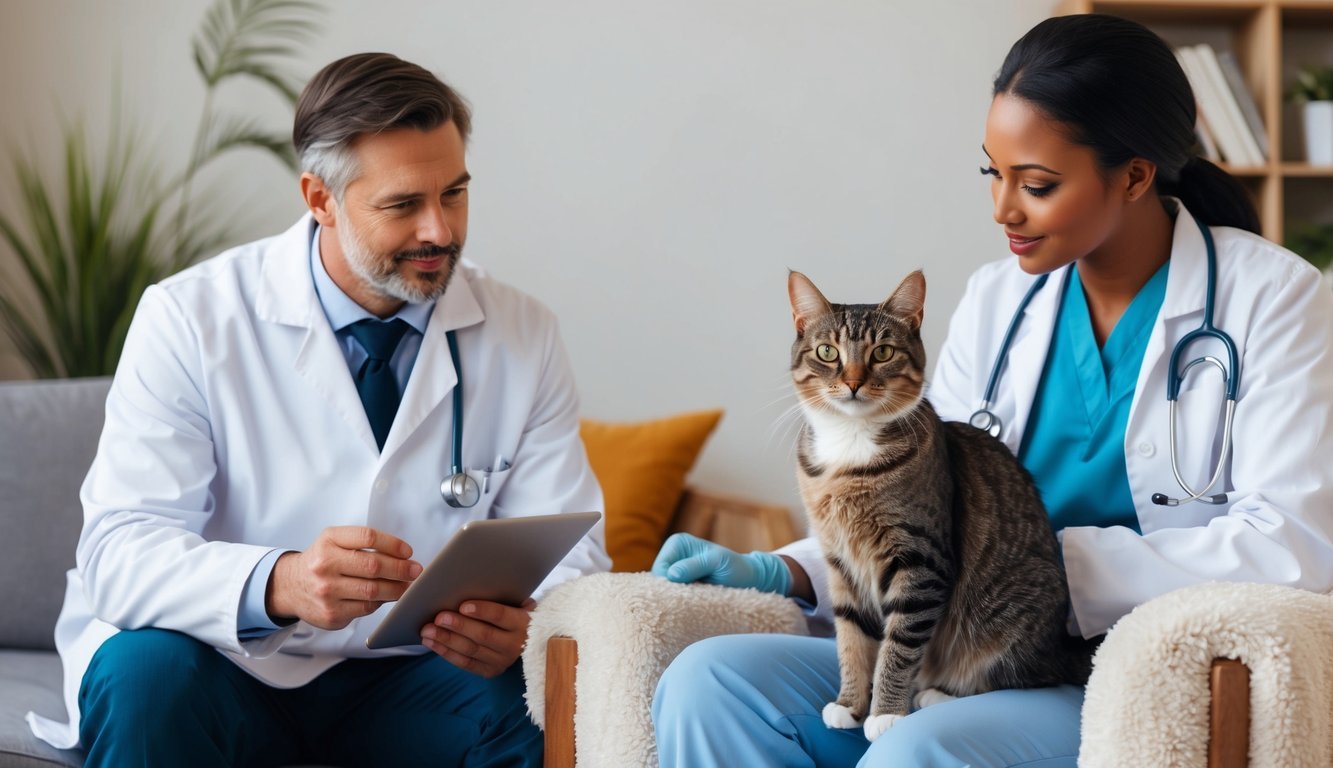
(842, 441)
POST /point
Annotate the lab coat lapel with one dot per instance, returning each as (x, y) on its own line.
(1182, 306)
(1027, 355)
(286, 296)
(433, 375)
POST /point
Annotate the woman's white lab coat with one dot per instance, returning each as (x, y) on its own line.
(1277, 527)
(233, 427)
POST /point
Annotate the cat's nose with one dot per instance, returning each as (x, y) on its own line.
(854, 385)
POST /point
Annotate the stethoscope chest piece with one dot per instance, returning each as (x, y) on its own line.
(460, 490)
(985, 420)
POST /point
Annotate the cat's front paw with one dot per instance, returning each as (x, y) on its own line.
(838, 716)
(876, 725)
(931, 697)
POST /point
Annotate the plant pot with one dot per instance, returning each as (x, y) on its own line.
(1318, 116)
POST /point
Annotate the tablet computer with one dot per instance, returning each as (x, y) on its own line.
(501, 560)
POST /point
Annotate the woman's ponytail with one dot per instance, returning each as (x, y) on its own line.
(1214, 196)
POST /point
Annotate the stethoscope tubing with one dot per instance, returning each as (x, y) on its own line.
(986, 419)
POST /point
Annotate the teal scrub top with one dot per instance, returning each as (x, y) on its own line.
(1074, 445)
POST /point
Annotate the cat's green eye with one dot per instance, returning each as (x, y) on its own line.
(883, 353)
(826, 352)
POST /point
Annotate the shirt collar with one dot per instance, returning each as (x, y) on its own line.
(342, 311)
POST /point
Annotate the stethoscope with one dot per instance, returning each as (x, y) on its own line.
(459, 489)
(985, 419)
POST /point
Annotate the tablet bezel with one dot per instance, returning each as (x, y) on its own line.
(497, 559)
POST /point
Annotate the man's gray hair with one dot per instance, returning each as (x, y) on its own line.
(367, 93)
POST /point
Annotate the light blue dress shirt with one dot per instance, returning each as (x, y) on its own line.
(341, 311)
(1074, 445)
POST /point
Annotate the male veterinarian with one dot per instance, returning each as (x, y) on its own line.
(268, 479)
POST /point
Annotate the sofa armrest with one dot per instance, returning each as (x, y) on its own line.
(1149, 700)
(628, 627)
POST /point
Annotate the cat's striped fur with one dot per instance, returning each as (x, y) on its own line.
(944, 574)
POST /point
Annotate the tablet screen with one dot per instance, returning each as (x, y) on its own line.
(501, 560)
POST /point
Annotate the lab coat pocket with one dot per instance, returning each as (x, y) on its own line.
(492, 480)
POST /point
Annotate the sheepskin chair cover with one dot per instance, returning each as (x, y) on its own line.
(1148, 699)
(629, 626)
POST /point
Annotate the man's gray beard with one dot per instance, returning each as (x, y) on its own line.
(390, 283)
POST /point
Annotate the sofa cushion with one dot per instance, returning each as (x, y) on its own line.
(50, 431)
(30, 680)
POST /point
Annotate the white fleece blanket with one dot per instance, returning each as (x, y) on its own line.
(629, 626)
(1148, 698)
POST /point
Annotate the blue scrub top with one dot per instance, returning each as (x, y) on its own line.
(1074, 445)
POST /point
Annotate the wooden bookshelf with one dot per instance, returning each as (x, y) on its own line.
(1270, 39)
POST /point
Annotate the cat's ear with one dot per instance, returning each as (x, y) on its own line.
(908, 300)
(807, 302)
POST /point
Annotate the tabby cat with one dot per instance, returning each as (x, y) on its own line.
(943, 569)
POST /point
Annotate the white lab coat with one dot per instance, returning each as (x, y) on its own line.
(233, 427)
(1278, 525)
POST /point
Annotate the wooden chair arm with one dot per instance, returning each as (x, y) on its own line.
(1228, 714)
(562, 659)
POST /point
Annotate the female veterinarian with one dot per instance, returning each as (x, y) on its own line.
(1132, 255)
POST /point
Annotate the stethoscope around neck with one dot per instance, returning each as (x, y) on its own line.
(985, 418)
(459, 489)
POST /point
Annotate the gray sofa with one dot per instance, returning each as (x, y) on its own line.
(48, 435)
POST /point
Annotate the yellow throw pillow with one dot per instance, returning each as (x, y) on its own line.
(642, 468)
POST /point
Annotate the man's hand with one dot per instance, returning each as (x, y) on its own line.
(349, 572)
(484, 638)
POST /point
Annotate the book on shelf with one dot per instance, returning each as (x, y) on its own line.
(1248, 108)
(1220, 106)
(1207, 142)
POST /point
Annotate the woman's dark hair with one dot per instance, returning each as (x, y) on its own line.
(1119, 90)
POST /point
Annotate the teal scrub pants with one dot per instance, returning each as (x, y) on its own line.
(756, 700)
(155, 697)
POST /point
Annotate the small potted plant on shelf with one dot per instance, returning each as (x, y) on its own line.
(1315, 243)
(1313, 90)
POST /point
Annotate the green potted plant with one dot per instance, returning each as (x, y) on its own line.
(1315, 243)
(84, 244)
(1313, 90)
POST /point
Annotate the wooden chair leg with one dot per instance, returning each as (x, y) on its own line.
(1229, 715)
(562, 658)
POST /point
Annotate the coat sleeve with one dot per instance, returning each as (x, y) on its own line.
(954, 391)
(1279, 527)
(147, 497)
(550, 471)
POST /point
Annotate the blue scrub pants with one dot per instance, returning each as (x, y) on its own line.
(156, 697)
(743, 700)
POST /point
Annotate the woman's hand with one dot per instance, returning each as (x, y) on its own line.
(685, 558)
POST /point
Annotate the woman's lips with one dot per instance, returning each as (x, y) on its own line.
(1022, 245)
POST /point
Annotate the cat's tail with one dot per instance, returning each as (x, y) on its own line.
(1078, 657)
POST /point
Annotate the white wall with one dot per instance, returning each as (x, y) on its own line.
(649, 169)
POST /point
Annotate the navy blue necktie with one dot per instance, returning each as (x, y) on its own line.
(375, 382)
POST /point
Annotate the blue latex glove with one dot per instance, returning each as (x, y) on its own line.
(685, 558)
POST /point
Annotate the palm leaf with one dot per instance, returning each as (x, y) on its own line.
(243, 37)
(233, 132)
(86, 244)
